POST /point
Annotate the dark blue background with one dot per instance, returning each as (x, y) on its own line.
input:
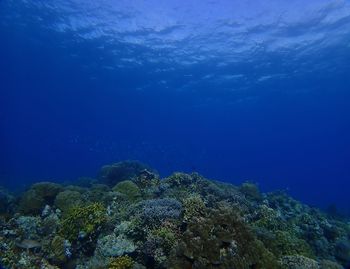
(58, 124)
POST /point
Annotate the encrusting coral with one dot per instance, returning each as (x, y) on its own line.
(130, 218)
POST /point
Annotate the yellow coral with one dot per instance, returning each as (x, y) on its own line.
(86, 219)
(123, 262)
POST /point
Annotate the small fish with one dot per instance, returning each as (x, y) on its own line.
(28, 244)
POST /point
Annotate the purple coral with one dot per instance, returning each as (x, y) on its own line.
(161, 209)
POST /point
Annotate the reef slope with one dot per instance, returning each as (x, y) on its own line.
(130, 218)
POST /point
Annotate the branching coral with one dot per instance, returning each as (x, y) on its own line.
(193, 207)
(167, 237)
(83, 222)
(57, 250)
(156, 210)
(279, 236)
(286, 243)
(123, 262)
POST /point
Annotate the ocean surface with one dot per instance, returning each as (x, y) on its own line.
(235, 90)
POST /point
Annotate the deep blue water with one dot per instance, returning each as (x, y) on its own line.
(236, 90)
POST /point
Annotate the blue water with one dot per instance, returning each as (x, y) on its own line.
(236, 90)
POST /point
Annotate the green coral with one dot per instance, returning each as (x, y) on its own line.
(285, 243)
(99, 193)
(193, 207)
(179, 179)
(280, 236)
(31, 203)
(251, 190)
(267, 258)
(167, 237)
(269, 219)
(86, 220)
(39, 195)
(123, 262)
(208, 225)
(8, 258)
(220, 240)
(128, 188)
(57, 250)
(47, 190)
(68, 199)
(147, 181)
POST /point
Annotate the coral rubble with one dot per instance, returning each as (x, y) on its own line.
(130, 218)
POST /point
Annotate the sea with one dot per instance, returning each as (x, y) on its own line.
(237, 91)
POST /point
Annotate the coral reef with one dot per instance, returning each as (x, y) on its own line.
(58, 250)
(117, 172)
(83, 222)
(251, 190)
(194, 207)
(39, 195)
(157, 210)
(114, 246)
(130, 218)
(299, 262)
(124, 262)
(68, 199)
(28, 226)
(129, 189)
(6, 201)
(220, 240)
